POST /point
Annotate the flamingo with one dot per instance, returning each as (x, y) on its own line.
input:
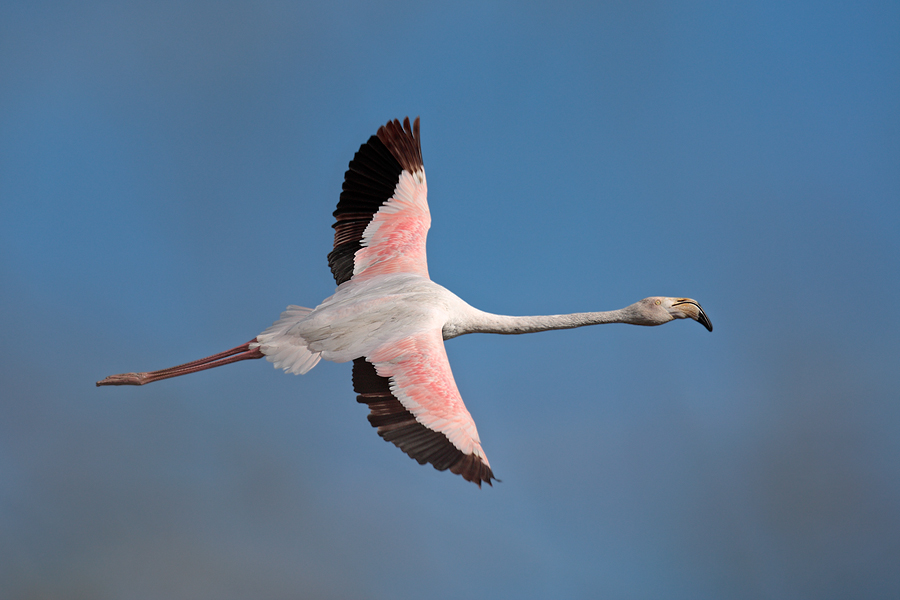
(391, 319)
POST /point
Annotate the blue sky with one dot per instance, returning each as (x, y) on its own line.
(167, 177)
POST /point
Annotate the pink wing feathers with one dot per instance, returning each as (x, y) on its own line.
(382, 220)
(394, 241)
(382, 217)
(421, 410)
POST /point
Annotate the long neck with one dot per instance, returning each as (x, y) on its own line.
(482, 322)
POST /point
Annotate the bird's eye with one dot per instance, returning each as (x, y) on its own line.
(657, 302)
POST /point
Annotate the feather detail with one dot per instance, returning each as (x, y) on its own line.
(369, 183)
(283, 345)
(415, 404)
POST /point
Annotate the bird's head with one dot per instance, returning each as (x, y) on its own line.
(661, 309)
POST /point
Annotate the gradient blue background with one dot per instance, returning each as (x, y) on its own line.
(167, 176)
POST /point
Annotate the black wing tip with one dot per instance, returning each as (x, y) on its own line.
(394, 124)
(472, 468)
(403, 142)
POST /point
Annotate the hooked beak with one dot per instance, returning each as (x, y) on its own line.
(692, 309)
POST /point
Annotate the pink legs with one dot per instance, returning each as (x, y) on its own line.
(242, 352)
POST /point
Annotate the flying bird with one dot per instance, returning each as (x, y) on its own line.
(391, 319)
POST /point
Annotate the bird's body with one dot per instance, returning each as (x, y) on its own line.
(363, 316)
(391, 320)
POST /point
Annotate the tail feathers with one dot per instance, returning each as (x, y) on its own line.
(287, 350)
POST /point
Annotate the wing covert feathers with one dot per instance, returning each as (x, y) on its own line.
(370, 183)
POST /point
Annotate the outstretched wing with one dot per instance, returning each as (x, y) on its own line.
(415, 404)
(382, 217)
